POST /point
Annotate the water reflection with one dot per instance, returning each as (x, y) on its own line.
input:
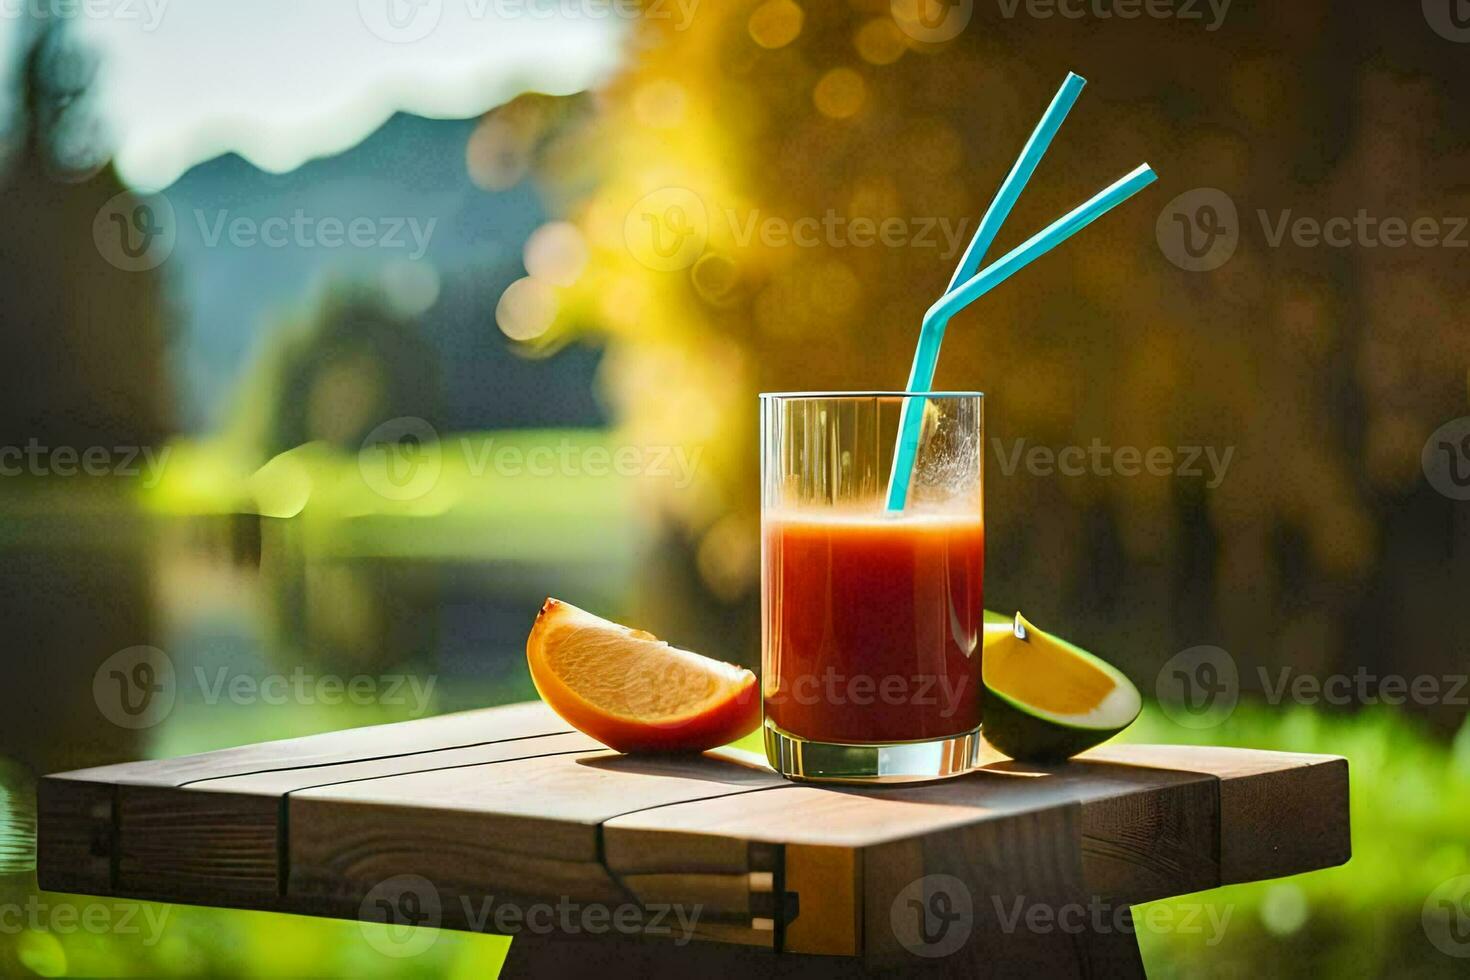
(254, 627)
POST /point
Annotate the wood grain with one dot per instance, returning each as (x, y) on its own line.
(349, 745)
(74, 835)
(210, 825)
(1280, 812)
(506, 808)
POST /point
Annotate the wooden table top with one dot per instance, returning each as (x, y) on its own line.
(511, 804)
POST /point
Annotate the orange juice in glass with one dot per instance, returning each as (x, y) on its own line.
(871, 619)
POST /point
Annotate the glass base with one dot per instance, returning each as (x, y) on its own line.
(870, 763)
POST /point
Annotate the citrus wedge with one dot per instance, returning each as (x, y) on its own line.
(1047, 699)
(632, 691)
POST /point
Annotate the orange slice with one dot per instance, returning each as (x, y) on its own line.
(632, 691)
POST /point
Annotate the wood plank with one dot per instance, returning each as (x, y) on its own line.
(741, 896)
(1088, 801)
(526, 720)
(1143, 832)
(831, 921)
(223, 835)
(1146, 832)
(284, 782)
(506, 808)
(838, 817)
(74, 836)
(551, 806)
(522, 830)
(189, 828)
(809, 823)
(1281, 813)
(196, 846)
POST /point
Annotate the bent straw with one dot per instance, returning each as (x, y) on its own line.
(1015, 181)
(927, 353)
(938, 315)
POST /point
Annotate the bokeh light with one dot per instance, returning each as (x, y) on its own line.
(840, 93)
(556, 253)
(409, 287)
(526, 309)
(776, 23)
(498, 153)
(879, 41)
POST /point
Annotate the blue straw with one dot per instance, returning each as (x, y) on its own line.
(926, 354)
(932, 332)
(1015, 181)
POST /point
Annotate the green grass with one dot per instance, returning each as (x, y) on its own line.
(462, 506)
(1410, 806)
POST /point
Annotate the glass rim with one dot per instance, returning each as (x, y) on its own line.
(792, 395)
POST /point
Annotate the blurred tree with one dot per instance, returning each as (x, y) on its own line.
(333, 373)
(327, 377)
(83, 357)
(1322, 370)
(82, 339)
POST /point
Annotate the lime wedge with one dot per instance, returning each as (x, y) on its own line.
(1047, 699)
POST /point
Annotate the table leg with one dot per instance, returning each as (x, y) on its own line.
(533, 958)
(1110, 955)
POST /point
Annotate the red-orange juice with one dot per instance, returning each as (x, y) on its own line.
(872, 625)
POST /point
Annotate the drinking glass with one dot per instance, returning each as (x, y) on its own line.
(871, 619)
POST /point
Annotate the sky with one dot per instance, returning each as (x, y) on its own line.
(259, 110)
(280, 82)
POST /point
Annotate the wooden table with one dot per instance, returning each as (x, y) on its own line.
(506, 820)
